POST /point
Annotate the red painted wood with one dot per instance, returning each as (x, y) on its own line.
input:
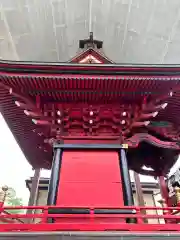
(91, 88)
(95, 223)
(45, 227)
(91, 140)
(90, 179)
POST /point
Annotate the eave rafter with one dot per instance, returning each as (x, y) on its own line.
(141, 116)
(147, 111)
(52, 126)
(30, 108)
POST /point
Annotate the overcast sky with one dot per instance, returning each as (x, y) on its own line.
(15, 169)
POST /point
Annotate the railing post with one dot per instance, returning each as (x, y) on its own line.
(45, 213)
(140, 220)
(3, 197)
(165, 212)
(1, 201)
(1, 206)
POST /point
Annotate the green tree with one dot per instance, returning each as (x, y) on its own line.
(13, 200)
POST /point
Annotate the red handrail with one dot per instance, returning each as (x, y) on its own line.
(92, 220)
(57, 207)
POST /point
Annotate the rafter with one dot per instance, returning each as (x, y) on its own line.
(26, 100)
(147, 111)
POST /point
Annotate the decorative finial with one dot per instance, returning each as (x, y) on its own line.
(5, 188)
(177, 193)
(90, 42)
(3, 194)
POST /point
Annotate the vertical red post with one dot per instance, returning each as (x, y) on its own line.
(139, 219)
(2, 197)
(1, 206)
(45, 213)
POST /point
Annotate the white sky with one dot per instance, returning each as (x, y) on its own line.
(15, 169)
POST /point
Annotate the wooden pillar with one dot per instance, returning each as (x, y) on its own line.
(34, 188)
(139, 192)
(163, 189)
(33, 193)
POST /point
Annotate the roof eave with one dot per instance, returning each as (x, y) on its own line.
(50, 67)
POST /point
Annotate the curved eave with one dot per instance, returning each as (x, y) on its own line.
(110, 69)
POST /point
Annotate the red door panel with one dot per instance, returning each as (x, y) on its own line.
(90, 179)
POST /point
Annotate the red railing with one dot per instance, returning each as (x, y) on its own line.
(95, 219)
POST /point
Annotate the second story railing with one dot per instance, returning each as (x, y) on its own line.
(56, 218)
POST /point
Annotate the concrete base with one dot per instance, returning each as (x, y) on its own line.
(88, 236)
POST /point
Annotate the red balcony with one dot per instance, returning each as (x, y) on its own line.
(85, 224)
(54, 218)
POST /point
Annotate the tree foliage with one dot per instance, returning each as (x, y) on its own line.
(13, 200)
